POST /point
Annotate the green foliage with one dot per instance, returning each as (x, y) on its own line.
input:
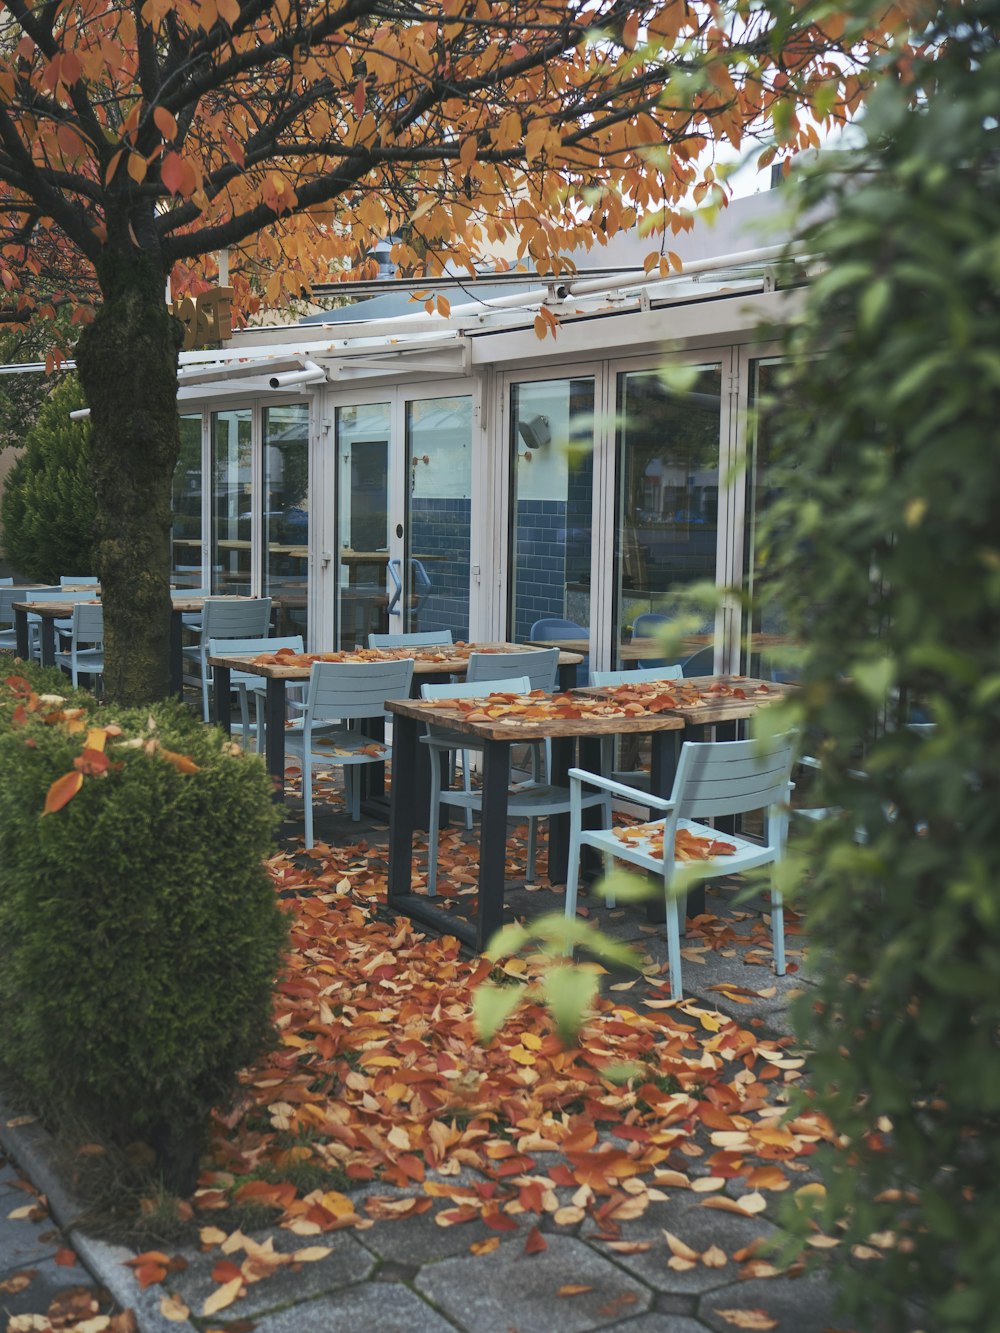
(886, 551)
(140, 934)
(566, 990)
(48, 499)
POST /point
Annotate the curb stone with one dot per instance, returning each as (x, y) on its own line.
(30, 1147)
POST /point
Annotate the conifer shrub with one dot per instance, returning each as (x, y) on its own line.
(47, 505)
(140, 934)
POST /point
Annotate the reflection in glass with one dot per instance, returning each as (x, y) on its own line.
(286, 514)
(439, 449)
(362, 442)
(668, 507)
(765, 641)
(552, 461)
(231, 502)
(185, 508)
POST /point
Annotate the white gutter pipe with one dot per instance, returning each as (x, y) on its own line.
(310, 373)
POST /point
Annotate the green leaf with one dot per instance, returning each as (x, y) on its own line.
(492, 1006)
(569, 993)
(623, 886)
(507, 941)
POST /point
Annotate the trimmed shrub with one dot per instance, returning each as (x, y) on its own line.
(48, 498)
(886, 558)
(140, 934)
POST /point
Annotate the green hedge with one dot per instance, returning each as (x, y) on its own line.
(885, 551)
(140, 934)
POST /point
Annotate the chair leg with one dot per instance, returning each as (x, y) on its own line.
(244, 715)
(433, 823)
(352, 781)
(307, 790)
(675, 910)
(467, 786)
(532, 848)
(573, 870)
(778, 932)
(204, 686)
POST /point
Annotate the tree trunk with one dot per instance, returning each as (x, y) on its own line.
(127, 360)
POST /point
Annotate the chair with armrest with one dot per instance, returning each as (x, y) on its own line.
(86, 647)
(714, 778)
(630, 776)
(527, 800)
(342, 693)
(226, 618)
(8, 595)
(245, 683)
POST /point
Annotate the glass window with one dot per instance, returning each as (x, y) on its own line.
(231, 501)
(185, 531)
(766, 632)
(363, 522)
(552, 461)
(668, 506)
(286, 514)
(439, 449)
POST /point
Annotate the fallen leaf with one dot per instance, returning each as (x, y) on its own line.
(536, 1242)
(486, 1246)
(752, 1319)
(573, 1289)
(174, 1309)
(222, 1297)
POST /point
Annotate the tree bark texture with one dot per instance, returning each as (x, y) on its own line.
(127, 361)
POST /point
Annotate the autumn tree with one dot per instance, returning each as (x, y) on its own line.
(139, 139)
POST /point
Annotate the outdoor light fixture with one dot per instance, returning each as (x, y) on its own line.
(535, 431)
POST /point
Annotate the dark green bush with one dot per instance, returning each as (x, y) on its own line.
(48, 497)
(140, 934)
(886, 544)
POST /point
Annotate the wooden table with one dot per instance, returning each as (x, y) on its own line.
(496, 738)
(48, 613)
(425, 669)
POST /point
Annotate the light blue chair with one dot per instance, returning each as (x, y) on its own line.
(526, 800)
(647, 626)
(8, 595)
(714, 778)
(339, 693)
(424, 639)
(78, 580)
(246, 683)
(226, 618)
(85, 656)
(630, 776)
(552, 628)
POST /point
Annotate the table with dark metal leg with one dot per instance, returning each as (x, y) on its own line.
(496, 739)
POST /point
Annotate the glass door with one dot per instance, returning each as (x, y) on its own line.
(232, 501)
(429, 583)
(286, 514)
(667, 514)
(363, 433)
(551, 444)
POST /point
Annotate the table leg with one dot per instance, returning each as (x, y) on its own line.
(567, 677)
(176, 656)
(493, 839)
(23, 636)
(402, 809)
(562, 760)
(221, 699)
(274, 733)
(48, 641)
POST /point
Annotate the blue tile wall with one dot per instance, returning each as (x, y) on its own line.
(441, 528)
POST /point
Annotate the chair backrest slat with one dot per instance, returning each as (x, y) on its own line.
(424, 639)
(88, 623)
(540, 665)
(78, 580)
(223, 618)
(10, 594)
(732, 777)
(356, 689)
(637, 677)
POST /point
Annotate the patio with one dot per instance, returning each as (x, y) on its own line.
(427, 1181)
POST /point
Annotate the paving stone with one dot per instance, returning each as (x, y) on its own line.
(657, 1322)
(384, 1307)
(348, 1262)
(508, 1289)
(23, 1243)
(419, 1240)
(697, 1227)
(800, 1305)
(48, 1279)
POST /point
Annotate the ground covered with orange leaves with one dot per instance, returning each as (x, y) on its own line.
(380, 1075)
